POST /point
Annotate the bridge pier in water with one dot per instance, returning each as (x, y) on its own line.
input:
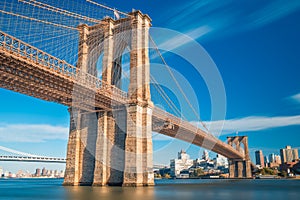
(240, 168)
(114, 146)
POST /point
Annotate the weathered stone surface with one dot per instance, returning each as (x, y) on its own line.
(114, 147)
(240, 168)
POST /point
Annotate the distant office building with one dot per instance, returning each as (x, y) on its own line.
(183, 162)
(44, 172)
(1, 172)
(6, 174)
(205, 155)
(259, 157)
(277, 159)
(221, 161)
(38, 172)
(272, 157)
(288, 154)
(266, 159)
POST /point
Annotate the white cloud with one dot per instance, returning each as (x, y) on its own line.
(180, 40)
(295, 98)
(272, 12)
(252, 123)
(32, 132)
(227, 17)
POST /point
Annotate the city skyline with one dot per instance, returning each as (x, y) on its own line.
(256, 59)
(206, 153)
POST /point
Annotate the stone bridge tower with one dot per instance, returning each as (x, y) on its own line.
(113, 146)
(240, 168)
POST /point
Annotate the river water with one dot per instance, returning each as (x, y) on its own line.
(183, 189)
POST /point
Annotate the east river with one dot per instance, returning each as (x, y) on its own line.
(183, 189)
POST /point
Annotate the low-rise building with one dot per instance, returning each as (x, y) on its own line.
(183, 162)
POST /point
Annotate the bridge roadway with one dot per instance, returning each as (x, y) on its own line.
(28, 70)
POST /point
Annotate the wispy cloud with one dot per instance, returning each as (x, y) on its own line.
(227, 17)
(251, 124)
(32, 132)
(295, 98)
(179, 40)
(272, 12)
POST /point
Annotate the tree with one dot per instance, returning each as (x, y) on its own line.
(198, 172)
(167, 176)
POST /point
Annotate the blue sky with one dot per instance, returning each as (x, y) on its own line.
(255, 45)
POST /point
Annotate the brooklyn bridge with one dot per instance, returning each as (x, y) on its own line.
(110, 137)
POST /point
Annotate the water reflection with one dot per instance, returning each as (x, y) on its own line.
(184, 189)
(113, 193)
(193, 189)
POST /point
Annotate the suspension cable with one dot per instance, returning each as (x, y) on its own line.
(38, 20)
(106, 7)
(176, 82)
(59, 10)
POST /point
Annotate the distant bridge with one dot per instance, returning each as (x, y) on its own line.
(50, 160)
(26, 157)
(33, 159)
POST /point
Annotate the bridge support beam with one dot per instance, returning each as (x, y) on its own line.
(81, 148)
(240, 168)
(109, 157)
(138, 145)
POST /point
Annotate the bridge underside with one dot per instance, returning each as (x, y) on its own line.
(24, 76)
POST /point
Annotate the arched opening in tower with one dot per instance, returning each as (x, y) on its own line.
(99, 66)
(121, 71)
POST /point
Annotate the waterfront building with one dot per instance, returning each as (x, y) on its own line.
(44, 172)
(288, 154)
(272, 157)
(6, 174)
(266, 159)
(220, 162)
(277, 159)
(1, 172)
(259, 157)
(293, 166)
(205, 155)
(183, 162)
(37, 172)
(61, 174)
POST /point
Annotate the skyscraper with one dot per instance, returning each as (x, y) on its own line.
(205, 155)
(259, 157)
(272, 157)
(38, 172)
(44, 172)
(288, 154)
(277, 159)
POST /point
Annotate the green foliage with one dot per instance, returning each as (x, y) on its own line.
(197, 173)
(157, 175)
(267, 171)
(283, 173)
(167, 176)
